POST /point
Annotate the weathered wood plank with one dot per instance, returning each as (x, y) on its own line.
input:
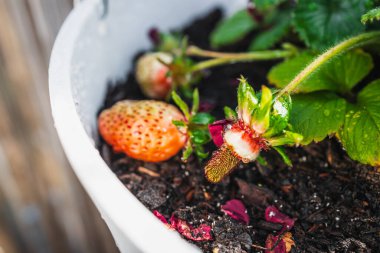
(46, 208)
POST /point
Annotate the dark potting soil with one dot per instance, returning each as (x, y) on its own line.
(335, 201)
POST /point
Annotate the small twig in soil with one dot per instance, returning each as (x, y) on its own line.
(147, 172)
(207, 195)
(329, 154)
(314, 228)
(189, 195)
(259, 247)
(268, 226)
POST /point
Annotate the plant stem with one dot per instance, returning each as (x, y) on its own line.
(354, 42)
(229, 58)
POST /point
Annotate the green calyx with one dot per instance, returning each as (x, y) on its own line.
(266, 116)
(196, 126)
(247, 101)
(371, 16)
(261, 117)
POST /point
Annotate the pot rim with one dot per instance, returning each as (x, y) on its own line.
(104, 188)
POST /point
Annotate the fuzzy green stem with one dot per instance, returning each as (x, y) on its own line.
(230, 58)
(354, 42)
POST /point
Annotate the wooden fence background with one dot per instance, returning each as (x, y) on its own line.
(43, 208)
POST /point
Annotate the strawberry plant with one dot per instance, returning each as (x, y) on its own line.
(322, 84)
(260, 123)
(323, 102)
(172, 67)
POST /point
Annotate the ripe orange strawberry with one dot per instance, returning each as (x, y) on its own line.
(152, 75)
(143, 129)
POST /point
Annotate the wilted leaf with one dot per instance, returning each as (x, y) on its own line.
(236, 210)
(160, 216)
(270, 244)
(202, 233)
(272, 214)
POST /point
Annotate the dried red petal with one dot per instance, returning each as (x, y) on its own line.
(272, 214)
(206, 106)
(154, 36)
(216, 131)
(160, 217)
(202, 233)
(271, 241)
(236, 210)
(254, 13)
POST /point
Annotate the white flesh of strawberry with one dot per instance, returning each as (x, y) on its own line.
(240, 147)
(258, 127)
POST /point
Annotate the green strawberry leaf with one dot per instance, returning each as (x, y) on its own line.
(274, 34)
(323, 23)
(348, 70)
(283, 73)
(181, 104)
(201, 154)
(286, 138)
(200, 136)
(341, 74)
(360, 134)
(202, 118)
(187, 152)
(195, 124)
(229, 113)
(232, 29)
(283, 155)
(371, 15)
(195, 107)
(317, 115)
(265, 4)
(179, 123)
(261, 160)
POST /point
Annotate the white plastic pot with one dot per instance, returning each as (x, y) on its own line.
(92, 49)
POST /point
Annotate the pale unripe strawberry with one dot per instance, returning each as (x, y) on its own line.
(143, 129)
(152, 74)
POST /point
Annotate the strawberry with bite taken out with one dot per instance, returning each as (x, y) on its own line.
(260, 122)
(143, 129)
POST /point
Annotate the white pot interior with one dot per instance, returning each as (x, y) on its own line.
(91, 51)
